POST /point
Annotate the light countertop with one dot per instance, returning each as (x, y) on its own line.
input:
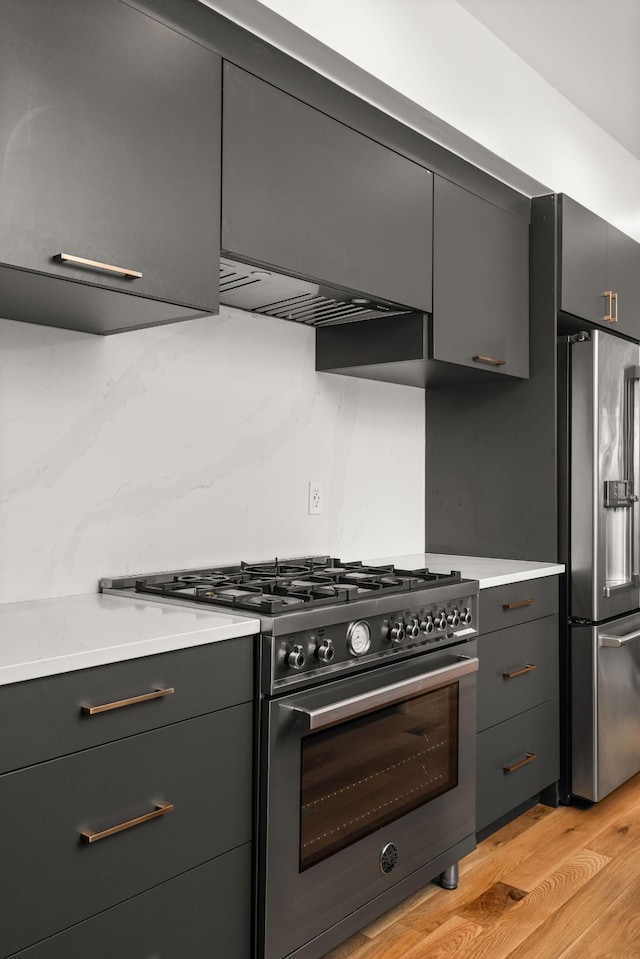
(49, 636)
(44, 637)
(488, 571)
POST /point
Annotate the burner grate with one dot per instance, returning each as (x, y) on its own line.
(278, 585)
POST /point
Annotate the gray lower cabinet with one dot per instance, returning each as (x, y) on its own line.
(110, 188)
(106, 835)
(599, 270)
(518, 751)
(193, 915)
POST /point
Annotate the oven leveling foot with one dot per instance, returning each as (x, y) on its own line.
(449, 878)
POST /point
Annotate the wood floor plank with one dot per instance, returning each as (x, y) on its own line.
(617, 837)
(615, 933)
(486, 908)
(516, 925)
(565, 926)
(454, 939)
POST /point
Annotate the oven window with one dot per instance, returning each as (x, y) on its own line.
(369, 771)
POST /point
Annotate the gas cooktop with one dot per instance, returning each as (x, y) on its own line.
(277, 586)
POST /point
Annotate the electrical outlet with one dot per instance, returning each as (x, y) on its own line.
(315, 497)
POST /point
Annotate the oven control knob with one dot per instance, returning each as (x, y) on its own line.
(465, 616)
(440, 620)
(295, 658)
(412, 629)
(396, 633)
(325, 652)
(453, 618)
(426, 626)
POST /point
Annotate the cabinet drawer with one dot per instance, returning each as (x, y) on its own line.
(202, 766)
(206, 912)
(46, 719)
(534, 732)
(515, 603)
(507, 683)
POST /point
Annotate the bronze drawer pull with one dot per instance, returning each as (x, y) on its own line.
(97, 265)
(488, 359)
(519, 672)
(529, 757)
(144, 698)
(161, 809)
(611, 315)
(523, 602)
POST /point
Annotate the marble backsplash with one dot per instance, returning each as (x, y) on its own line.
(192, 444)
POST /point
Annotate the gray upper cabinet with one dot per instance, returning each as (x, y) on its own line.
(599, 269)
(480, 283)
(304, 194)
(110, 134)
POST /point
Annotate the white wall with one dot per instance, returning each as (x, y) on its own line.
(462, 86)
(193, 444)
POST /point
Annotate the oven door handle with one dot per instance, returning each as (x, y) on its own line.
(323, 716)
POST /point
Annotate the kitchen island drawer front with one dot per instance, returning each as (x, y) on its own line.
(518, 670)
(205, 912)
(46, 715)
(502, 606)
(516, 759)
(203, 767)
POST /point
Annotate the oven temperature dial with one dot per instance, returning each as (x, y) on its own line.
(359, 638)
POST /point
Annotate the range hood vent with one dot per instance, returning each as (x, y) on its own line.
(288, 298)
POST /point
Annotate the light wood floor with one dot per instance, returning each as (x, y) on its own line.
(554, 884)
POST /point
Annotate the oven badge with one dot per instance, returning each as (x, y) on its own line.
(388, 857)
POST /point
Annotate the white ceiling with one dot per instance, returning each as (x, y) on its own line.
(588, 50)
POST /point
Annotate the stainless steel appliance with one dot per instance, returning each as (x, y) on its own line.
(599, 375)
(367, 735)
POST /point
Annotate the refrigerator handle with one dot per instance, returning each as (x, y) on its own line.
(631, 376)
(608, 640)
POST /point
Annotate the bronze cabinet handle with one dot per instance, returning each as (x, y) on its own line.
(519, 672)
(144, 698)
(611, 316)
(529, 757)
(161, 809)
(488, 359)
(522, 602)
(97, 265)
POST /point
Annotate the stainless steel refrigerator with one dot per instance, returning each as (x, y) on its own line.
(599, 516)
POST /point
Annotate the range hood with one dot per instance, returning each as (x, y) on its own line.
(262, 290)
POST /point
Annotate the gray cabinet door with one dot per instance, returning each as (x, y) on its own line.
(480, 283)
(583, 263)
(623, 260)
(110, 137)
(308, 195)
(599, 262)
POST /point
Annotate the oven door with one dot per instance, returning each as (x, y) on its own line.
(365, 780)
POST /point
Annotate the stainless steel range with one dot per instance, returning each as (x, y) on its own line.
(367, 680)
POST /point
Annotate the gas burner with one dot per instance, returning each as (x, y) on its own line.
(278, 585)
